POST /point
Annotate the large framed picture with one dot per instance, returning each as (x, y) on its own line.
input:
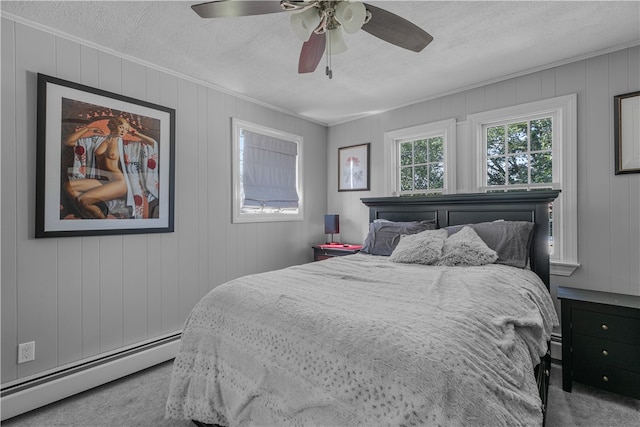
(353, 168)
(105, 162)
(626, 117)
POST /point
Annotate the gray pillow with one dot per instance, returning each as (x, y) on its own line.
(421, 248)
(466, 248)
(383, 237)
(510, 239)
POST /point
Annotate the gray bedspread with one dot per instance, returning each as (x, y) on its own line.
(359, 340)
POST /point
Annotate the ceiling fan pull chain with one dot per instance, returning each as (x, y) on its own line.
(328, 70)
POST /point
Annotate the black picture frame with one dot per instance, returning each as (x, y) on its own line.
(354, 168)
(626, 117)
(105, 162)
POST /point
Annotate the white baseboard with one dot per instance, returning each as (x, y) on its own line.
(59, 387)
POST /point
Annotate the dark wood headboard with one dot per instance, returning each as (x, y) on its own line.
(467, 208)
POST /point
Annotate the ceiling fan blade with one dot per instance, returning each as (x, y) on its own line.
(311, 53)
(396, 30)
(231, 8)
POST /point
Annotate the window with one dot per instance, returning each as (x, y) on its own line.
(533, 147)
(420, 160)
(519, 154)
(422, 165)
(267, 175)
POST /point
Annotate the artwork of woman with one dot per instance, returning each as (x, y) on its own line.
(108, 169)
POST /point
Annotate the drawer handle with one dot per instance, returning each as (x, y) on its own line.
(605, 378)
(605, 353)
(605, 327)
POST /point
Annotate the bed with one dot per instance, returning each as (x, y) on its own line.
(383, 339)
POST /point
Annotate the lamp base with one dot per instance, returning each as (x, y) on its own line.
(332, 242)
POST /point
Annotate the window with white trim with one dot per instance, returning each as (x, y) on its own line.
(420, 160)
(532, 147)
(267, 175)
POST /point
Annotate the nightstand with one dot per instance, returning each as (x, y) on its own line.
(601, 340)
(321, 252)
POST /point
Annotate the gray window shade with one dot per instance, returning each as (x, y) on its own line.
(269, 171)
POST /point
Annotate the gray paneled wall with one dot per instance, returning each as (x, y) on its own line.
(609, 205)
(78, 297)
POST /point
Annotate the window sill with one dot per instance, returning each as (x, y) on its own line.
(560, 268)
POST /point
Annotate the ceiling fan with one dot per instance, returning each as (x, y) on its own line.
(319, 24)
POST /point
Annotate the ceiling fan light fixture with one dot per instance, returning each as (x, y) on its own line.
(351, 15)
(318, 23)
(336, 42)
(303, 23)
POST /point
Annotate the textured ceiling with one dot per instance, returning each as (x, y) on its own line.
(257, 57)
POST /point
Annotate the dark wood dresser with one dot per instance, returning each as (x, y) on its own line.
(325, 251)
(600, 340)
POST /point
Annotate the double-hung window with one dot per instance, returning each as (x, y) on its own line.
(420, 160)
(267, 176)
(532, 147)
(519, 154)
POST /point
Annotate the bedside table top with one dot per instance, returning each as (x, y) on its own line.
(620, 300)
(344, 246)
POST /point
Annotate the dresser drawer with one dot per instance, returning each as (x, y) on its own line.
(608, 378)
(612, 353)
(607, 326)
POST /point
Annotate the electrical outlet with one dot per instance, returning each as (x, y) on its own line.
(26, 352)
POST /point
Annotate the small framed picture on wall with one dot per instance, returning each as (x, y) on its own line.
(626, 115)
(353, 168)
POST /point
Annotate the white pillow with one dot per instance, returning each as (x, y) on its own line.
(420, 248)
(466, 248)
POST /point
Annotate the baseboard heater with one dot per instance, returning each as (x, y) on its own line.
(26, 394)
